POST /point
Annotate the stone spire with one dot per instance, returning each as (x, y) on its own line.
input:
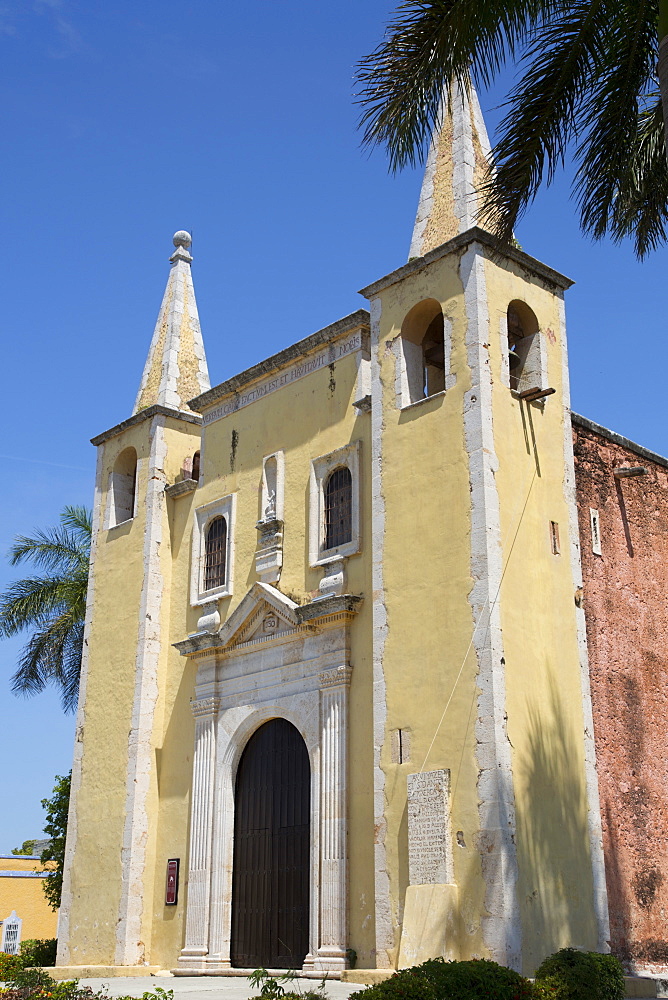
(456, 168)
(175, 369)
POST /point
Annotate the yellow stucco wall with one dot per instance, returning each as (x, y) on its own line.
(26, 896)
(110, 691)
(427, 579)
(543, 694)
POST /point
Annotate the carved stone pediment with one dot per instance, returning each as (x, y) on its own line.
(263, 613)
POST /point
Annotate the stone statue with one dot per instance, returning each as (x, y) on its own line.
(270, 509)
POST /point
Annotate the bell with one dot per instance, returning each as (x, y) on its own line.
(513, 358)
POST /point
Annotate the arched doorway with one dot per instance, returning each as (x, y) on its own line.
(270, 879)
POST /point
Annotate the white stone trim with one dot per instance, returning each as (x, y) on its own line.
(426, 201)
(383, 906)
(259, 683)
(348, 456)
(479, 124)
(594, 824)
(224, 507)
(202, 802)
(64, 955)
(465, 198)
(333, 819)
(502, 930)
(408, 373)
(137, 832)
(118, 483)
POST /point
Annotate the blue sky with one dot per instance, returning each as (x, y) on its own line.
(125, 121)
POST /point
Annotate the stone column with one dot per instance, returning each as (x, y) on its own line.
(334, 688)
(199, 877)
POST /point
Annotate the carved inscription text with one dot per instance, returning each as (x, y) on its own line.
(328, 356)
(429, 853)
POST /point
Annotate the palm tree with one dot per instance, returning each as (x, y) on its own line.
(53, 606)
(588, 80)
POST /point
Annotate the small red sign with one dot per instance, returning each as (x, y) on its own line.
(172, 890)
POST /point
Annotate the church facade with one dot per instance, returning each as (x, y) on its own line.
(335, 704)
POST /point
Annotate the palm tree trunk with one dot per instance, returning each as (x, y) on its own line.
(662, 67)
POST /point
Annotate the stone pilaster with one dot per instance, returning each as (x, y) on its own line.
(199, 878)
(334, 690)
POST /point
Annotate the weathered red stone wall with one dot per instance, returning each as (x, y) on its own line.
(625, 600)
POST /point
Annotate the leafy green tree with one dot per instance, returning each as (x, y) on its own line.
(587, 81)
(53, 856)
(52, 606)
(26, 848)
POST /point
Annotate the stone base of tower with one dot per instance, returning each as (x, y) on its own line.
(66, 972)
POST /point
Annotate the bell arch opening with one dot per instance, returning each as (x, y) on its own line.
(524, 360)
(123, 487)
(422, 345)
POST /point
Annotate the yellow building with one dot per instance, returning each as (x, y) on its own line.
(24, 911)
(335, 700)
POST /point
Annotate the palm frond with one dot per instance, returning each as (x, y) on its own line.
(53, 606)
(79, 521)
(622, 180)
(65, 545)
(53, 654)
(545, 106)
(428, 44)
(27, 603)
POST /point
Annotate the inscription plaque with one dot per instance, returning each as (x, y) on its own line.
(429, 851)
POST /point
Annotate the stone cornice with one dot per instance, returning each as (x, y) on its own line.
(349, 603)
(475, 235)
(277, 361)
(151, 411)
(328, 612)
(337, 678)
(180, 489)
(617, 439)
(204, 707)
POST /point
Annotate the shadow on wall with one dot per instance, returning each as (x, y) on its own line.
(618, 898)
(556, 887)
(634, 852)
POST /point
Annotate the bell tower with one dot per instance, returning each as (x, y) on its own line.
(126, 678)
(476, 591)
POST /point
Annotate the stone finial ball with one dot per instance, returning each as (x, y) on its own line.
(182, 239)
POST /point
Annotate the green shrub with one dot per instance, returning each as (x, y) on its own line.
(39, 953)
(33, 980)
(306, 995)
(405, 985)
(581, 975)
(549, 988)
(611, 984)
(9, 964)
(36, 984)
(477, 979)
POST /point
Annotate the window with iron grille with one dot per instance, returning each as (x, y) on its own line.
(215, 554)
(338, 508)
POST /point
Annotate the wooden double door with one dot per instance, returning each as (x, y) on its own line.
(270, 879)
